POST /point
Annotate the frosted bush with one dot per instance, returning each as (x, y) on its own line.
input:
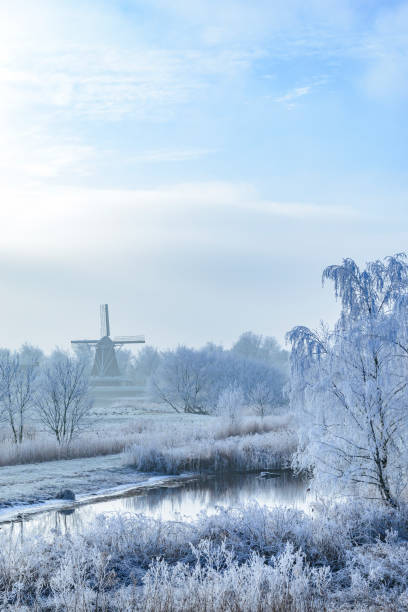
(248, 558)
(217, 581)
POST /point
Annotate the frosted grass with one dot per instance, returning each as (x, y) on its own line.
(41, 447)
(244, 559)
(141, 431)
(218, 445)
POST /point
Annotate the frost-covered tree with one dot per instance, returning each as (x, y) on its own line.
(192, 380)
(84, 352)
(18, 385)
(259, 381)
(31, 355)
(351, 382)
(249, 345)
(63, 402)
(230, 404)
(181, 380)
(145, 364)
(262, 397)
(262, 348)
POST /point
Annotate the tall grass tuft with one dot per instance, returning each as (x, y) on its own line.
(40, 447)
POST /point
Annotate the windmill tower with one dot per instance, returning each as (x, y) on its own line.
(105, 368)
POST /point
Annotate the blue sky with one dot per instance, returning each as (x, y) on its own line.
(195, 163)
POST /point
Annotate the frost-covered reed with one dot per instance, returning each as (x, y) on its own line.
(41, 447)
(143, 434)
(217, 445)
(252, 559)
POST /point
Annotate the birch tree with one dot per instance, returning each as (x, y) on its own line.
(350, 383)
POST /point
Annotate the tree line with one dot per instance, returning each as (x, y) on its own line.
(193, 380)
(55, 391)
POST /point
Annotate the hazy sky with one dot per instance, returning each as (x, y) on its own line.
(195, 163)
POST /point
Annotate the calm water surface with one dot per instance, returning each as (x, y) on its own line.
(173, 500)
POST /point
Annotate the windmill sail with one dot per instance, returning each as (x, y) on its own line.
(105, 328)
(129, 339)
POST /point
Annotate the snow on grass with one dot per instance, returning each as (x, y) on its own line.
(244, 559)
(101, 438)
(215, 445)
(41, 447)
(160, 441)
(33, 483)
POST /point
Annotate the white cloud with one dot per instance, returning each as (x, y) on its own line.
(102, 84)
(305, 211)
(297, 92)
(28, 155)
(72, 223)
(294, 94)
(55, 160)
(100, 80)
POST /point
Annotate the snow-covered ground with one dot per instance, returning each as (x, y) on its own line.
(31, 483)
(111, 428)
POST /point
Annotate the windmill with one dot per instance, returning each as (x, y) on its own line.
(105, 364)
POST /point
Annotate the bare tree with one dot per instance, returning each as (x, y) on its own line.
(18, 377)
(262, 396)
(192, 380)
(63, 402)
(181, 381)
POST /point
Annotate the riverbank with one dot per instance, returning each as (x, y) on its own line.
(217, 445)
(39, 482)
(182, 497)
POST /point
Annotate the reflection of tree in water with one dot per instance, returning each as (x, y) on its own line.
(60, 521)
(226, 489)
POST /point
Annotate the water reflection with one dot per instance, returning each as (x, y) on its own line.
(227, 490)
(173, 500)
